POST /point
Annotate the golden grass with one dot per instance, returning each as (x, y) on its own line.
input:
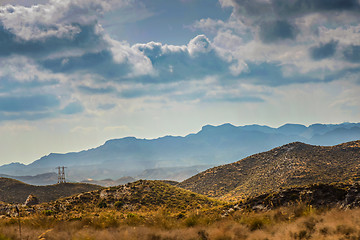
(294, 222)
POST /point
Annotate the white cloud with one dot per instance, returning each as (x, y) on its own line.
(124, 53)
(23, 69)
(199, 44)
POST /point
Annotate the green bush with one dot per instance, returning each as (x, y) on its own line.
(48, 212)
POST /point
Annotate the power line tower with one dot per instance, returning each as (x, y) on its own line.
(61, 174)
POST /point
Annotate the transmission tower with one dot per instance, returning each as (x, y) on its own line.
(61, 174)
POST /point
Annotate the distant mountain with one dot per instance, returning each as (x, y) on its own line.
(166, 157)
(14, 191)
(294, 164)
(110, 182)
(175, 173)
(40, 179)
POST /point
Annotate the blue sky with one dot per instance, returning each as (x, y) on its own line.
(74, 74)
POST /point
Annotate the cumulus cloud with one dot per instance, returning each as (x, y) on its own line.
(66, 36)
(52, 27)
(264, 42)
(279, 19)
(293, 41)
(171, 63)
(199, 44)
(55, 18)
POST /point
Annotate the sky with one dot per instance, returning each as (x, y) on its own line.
(75, 73)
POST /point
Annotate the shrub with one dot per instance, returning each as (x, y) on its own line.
(48, 212)
(203, 235)
(118, 204)
(102, 205)
(256, 224)
(2, 237)
(192, 220)
(345, 230)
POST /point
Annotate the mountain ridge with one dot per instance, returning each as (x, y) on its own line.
(211, 146)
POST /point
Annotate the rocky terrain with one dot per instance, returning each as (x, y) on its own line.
(291, 165)
(319, 196)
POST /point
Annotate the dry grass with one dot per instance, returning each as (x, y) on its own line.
(295, 222)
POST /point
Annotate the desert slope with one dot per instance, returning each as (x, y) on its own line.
(293, 164)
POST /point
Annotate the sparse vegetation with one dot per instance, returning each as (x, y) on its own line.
(156, 210)
(294, 164)
(282, 223)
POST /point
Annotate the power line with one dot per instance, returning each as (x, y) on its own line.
(61, 174)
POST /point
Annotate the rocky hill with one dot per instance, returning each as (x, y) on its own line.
(14, 191)
(294, 164)
(142, 194)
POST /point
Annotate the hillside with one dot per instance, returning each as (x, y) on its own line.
(293, 164)
(317, 195)
(142, 194)
(177, 158)
(157, 211)
(14, 191)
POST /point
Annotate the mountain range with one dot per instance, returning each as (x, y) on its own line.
(177, 158)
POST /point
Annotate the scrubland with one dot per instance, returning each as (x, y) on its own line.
(298, 221)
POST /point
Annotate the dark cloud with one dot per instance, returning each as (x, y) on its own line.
(303, 7)
(73, 108)
(86, 38)
(294, 8)
(271, 74)
(324, 50)
(352, 53)
(276, 18)
(35, 103)
(101, 63)
(274, 31)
